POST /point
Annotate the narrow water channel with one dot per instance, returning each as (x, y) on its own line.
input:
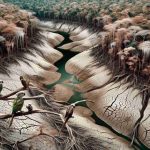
(61, 67)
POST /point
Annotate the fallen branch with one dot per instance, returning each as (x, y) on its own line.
(16, 144)
(34, 136)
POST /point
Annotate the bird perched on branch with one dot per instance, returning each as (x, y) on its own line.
(17, 106)
(68, 115)
(1, 87)
(24, 82)
(29, 107)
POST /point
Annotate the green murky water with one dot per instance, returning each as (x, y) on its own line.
(61, 67)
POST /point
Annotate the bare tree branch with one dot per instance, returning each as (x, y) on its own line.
(81, 101)
(5, 98)
(11, 94)
(24, 113)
